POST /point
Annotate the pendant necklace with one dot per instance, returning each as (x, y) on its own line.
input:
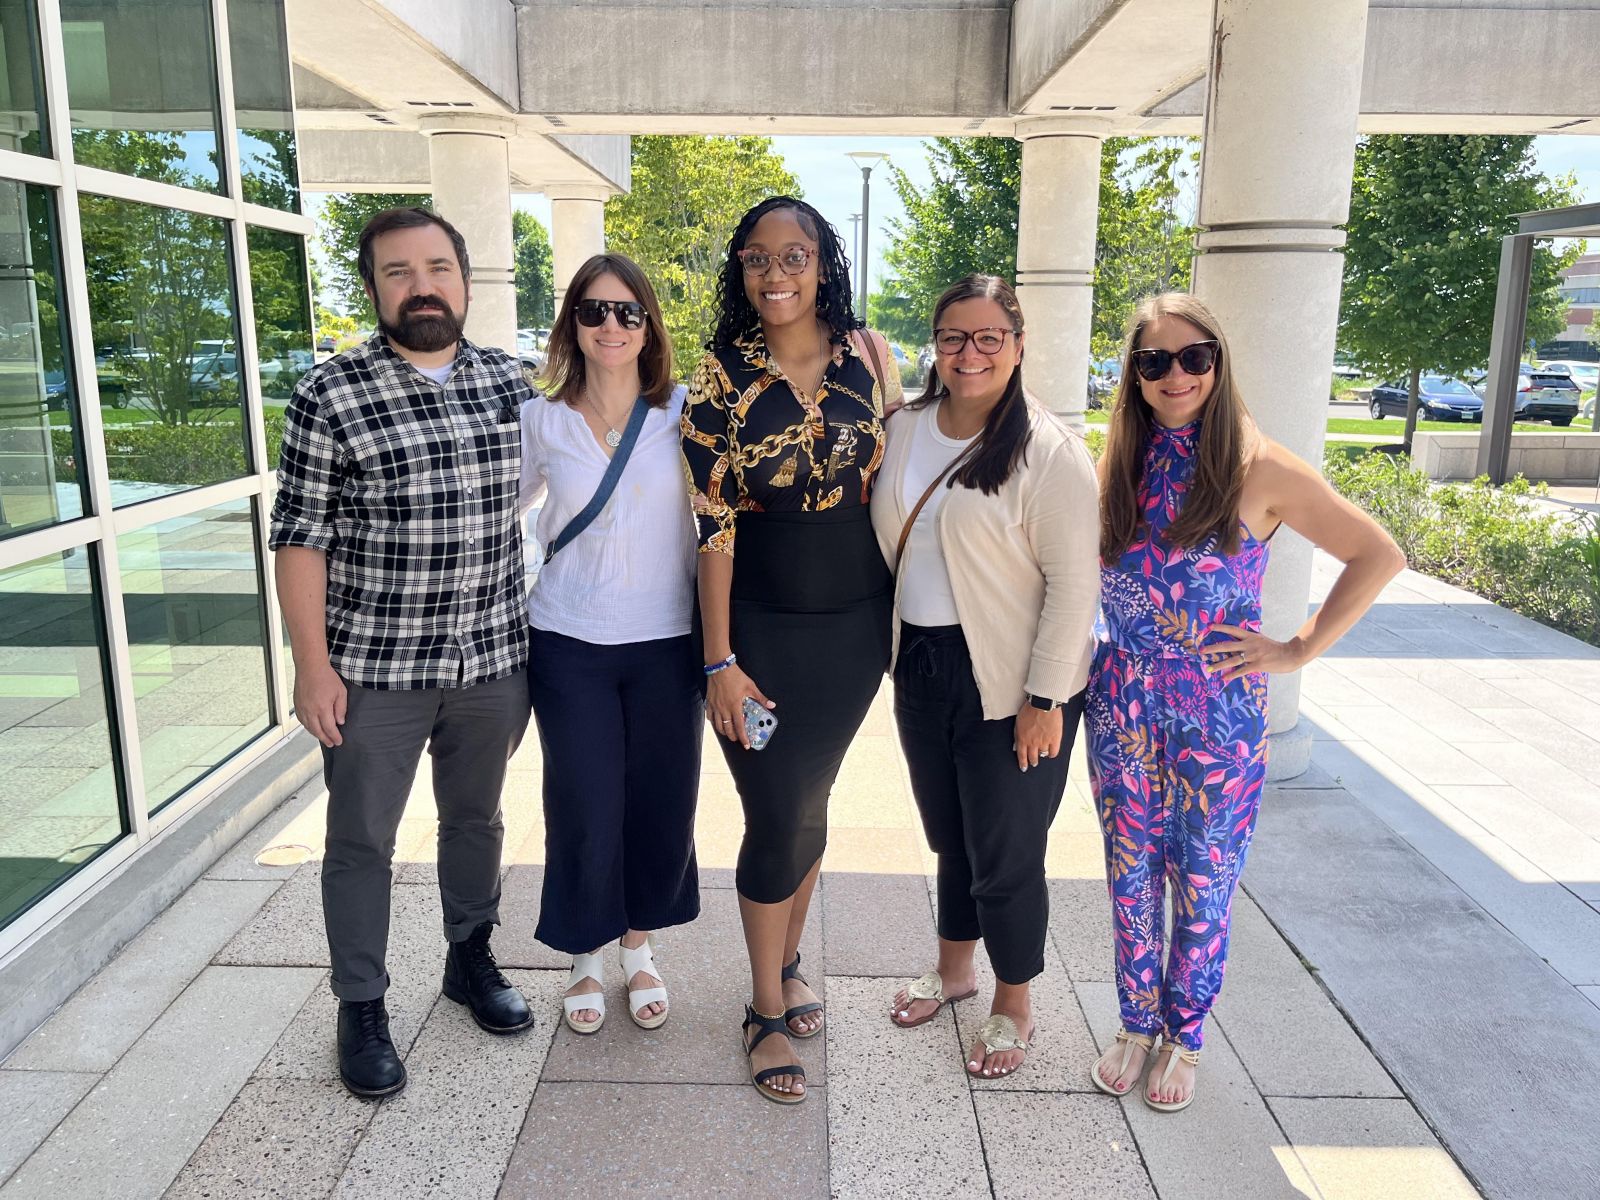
(613, 438)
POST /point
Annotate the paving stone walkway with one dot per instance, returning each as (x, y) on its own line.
(1412, 1008)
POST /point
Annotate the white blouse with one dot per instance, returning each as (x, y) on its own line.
(630, 576)
(925, 595)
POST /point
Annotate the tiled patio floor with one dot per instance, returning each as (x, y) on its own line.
(1408, 999)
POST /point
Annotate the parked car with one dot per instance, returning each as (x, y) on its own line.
(113, 388)
(1439, 398)
(1547, 396)
(1586, 373)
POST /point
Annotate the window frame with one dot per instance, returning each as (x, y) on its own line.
(99, 530)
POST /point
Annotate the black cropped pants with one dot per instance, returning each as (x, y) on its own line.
(985, 817)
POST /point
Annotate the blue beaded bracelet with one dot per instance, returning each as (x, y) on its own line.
(720, 666)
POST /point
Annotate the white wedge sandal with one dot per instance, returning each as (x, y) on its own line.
(586, 966)
(634, 960)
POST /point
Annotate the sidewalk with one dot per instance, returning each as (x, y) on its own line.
(1413, 994)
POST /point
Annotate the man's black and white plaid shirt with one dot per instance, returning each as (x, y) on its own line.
(411, 489)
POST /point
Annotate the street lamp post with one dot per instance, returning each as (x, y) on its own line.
(866, 160)
(855, 236)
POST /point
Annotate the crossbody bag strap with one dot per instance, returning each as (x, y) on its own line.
(871, 344)
(608, 481)
(905, 531)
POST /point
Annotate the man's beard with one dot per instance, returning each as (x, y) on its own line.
(424, 333)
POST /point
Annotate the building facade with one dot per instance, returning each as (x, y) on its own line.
(155, 313)
(1580, 288)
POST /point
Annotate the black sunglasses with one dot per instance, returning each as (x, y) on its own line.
(1196, 359)
(592, 313)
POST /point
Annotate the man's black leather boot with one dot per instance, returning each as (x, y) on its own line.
(368, 1063)
(472, 977)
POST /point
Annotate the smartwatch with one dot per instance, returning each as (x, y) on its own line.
(1043, 703)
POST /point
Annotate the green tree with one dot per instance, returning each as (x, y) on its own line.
(339, 226)
(898, 318)
(1422, 260)
(1142, 246)
(688, 195)
(536, 297)
(966, 221)
(159, 285)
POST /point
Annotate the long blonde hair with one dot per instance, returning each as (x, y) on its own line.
(1222, 455)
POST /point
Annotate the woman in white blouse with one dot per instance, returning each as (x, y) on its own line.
(614, 677)
(986, 508)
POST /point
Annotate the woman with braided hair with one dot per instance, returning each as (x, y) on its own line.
(782, 438)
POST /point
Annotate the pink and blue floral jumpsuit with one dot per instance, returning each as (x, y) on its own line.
(1177, 758)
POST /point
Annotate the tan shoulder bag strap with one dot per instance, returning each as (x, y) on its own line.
(867, 341)
(905, 532)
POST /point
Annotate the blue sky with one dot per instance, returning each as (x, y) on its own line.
(832, 182)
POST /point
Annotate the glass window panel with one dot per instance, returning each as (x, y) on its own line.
(262, 103)
(196, 645)
(22, 123)
(281, 293)
(40, 453)
(162, 306)
(59, 803)
(142, 82)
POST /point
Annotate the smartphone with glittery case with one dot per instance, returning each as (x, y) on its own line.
(759, 723)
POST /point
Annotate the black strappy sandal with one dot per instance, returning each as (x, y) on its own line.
(769, 1026)
(792, 971)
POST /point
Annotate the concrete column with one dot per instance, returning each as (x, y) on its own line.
(577, 229)
(1280, 132)
(1055, 256)
(471, 182)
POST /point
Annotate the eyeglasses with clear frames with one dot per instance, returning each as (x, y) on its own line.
(793, 260)
(953, 341)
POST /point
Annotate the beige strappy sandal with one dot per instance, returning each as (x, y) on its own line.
(1123, 1049)
(928, 987)
(997, 1033)
(1174, 1051)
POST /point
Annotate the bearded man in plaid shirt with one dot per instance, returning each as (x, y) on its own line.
(399, 567)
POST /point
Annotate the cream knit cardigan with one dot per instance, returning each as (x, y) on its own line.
(1024, 563)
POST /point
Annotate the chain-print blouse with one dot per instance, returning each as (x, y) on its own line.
(753, 442)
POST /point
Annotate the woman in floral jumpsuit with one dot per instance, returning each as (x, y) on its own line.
(1191, 494)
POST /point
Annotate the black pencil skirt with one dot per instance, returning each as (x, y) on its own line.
(810, 613)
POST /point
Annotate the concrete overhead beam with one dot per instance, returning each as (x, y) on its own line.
(410, 53)
(1104, 56)
(1441, 69)
(396, 160)
(737, 58)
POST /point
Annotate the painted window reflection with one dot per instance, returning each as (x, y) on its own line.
(59, 794)
(259, 48)
(41, 477)
(196, 643)
(162, 305)
(142, 83)
(22, 124)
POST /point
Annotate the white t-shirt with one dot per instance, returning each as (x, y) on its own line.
(438, 374)
(630, 576)
(925, 595)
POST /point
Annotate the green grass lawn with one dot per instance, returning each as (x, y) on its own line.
(1397, 426)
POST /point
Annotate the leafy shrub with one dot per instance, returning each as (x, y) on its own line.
(170, 453)
(1485, 539)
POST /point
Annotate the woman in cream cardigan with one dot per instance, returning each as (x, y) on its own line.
(986, 511)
